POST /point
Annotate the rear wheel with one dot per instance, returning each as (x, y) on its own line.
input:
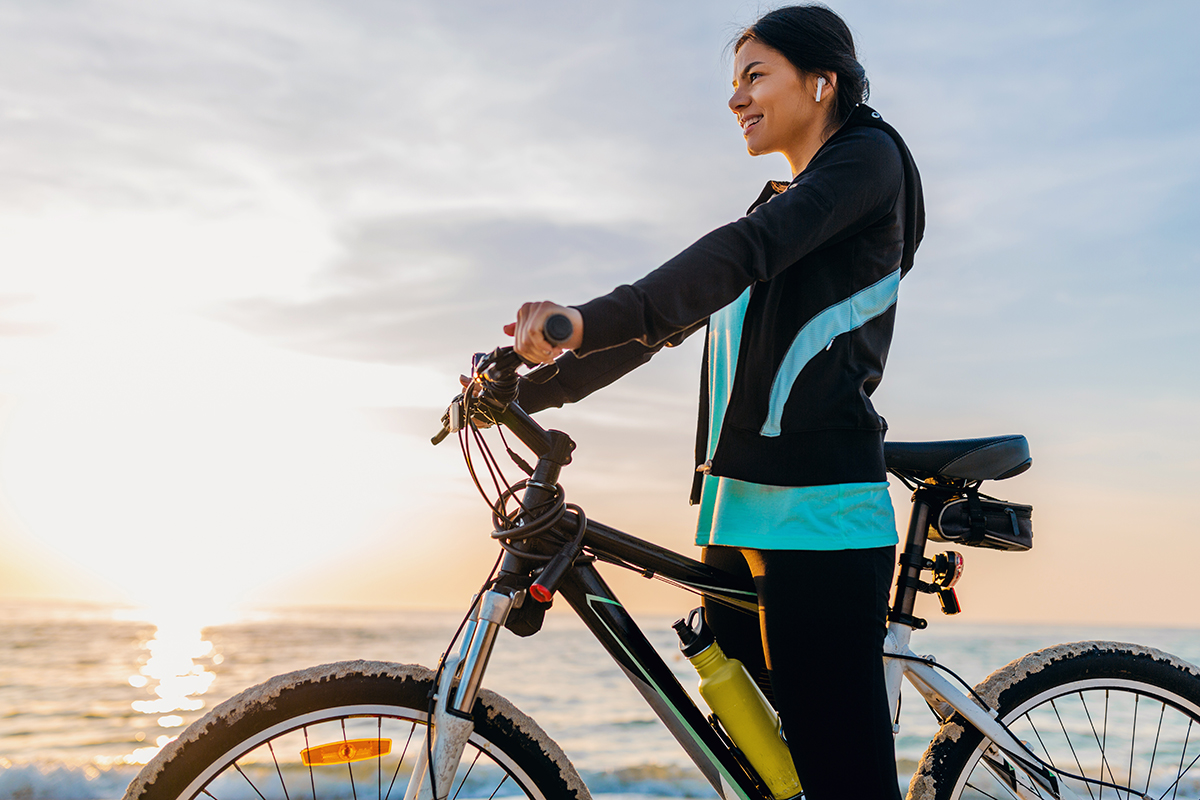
(350, 730)
(1120, 713)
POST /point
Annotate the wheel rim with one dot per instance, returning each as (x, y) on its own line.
(1123, 732)
(268, 764)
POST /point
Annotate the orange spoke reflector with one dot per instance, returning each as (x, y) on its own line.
(345, 752)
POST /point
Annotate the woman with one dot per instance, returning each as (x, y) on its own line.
(798, 298)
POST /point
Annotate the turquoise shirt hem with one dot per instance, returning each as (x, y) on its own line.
(847, 516)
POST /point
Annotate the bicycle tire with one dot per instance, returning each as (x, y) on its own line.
(1122, 713)
(250, 746)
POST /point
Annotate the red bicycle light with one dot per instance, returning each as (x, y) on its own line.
(540, 593)
(947, 568)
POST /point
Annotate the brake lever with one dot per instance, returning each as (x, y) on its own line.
(452, 420)
(455, 418)
(440, 436)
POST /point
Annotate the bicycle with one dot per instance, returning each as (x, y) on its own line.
(1069, 721)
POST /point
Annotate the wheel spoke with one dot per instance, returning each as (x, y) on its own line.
(985, 794)
(378, 761)
(1133, 738)
(1182, 755)
(463, 782)
(412, 729)
(1157, 733)
(1071, 745)
(1099, 743)
(279, 772)
(312, 779)
(1104, 744)
(1042, 744)
(248, 781)
(503, 781)
(1104, 762)
(349, 765)
(1174, 787)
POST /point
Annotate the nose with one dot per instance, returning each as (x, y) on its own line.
(738, 100)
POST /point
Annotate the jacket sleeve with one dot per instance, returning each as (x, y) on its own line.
(577, 377)
(852, 181)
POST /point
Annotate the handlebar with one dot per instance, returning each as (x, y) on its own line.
(558, 329)
(496, 373)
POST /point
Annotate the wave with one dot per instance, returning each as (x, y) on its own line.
(56, 781)
(42, 781)
(96, 782)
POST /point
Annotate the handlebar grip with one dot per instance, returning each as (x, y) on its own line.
(558, 329)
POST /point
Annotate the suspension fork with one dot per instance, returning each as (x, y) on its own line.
(461, 677)
(462, 674)
(494, 605)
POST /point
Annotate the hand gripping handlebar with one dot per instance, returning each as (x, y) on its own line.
(558, 329)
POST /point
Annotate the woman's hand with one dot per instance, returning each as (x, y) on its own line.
(530, 343)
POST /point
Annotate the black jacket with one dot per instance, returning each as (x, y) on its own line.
(824, 255)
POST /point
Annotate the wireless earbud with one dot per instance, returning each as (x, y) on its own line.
(820, 86)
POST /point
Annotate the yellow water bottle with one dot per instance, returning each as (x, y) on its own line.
(740, 706)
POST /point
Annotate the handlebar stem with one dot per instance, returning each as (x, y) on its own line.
(540, 488)
(555, 445)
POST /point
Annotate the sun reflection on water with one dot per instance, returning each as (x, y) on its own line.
(176, 672)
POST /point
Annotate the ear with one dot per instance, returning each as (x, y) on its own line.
(828, 89)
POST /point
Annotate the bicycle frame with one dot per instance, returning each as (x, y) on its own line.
(598, 607)
(608, 621)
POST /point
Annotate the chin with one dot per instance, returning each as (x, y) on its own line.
(756, 148)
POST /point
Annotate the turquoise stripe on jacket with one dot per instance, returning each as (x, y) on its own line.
(819, 333)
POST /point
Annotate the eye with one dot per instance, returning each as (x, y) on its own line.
(753, 76)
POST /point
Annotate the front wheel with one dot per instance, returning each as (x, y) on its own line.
(350, 730)
(1120, 713)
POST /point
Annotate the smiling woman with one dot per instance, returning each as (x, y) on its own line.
(798, 303)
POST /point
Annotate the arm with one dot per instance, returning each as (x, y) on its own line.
(853, 181)
(578, 377)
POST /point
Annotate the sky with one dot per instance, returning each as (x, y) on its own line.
(246, 248)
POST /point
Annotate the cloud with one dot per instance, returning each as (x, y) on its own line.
(428, 287)
(386, 181)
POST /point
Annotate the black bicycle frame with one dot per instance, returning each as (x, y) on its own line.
(598, 607)
(611, 624)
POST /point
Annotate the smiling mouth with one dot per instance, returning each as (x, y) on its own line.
(748, 123)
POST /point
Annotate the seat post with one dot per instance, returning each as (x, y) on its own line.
(912, 561)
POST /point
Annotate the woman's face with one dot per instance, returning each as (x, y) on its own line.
(775, 103)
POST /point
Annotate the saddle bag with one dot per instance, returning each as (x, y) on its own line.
(977, 520)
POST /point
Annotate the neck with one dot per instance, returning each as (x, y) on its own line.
(805, 148)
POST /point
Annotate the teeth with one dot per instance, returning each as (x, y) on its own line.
(746, 123)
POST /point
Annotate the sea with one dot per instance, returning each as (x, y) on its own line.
(90, 693)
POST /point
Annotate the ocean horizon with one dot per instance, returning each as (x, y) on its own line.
(89, 693)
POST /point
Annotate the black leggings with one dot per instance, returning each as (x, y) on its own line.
(818, 652)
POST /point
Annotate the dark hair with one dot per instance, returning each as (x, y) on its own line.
(814, 40)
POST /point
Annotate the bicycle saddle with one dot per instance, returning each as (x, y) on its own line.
(992, 458)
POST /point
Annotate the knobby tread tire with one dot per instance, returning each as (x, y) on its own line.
(220, 736)
(1046, 674)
